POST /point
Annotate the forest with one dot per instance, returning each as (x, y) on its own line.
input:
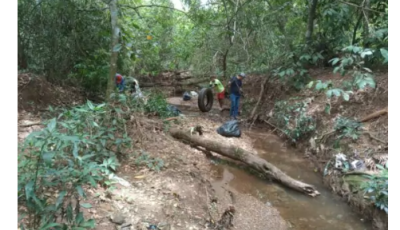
(316, 90)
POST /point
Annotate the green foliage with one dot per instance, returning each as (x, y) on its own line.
(64, 158)
(155, 104)
(385, 55)
(355, 59)
(74, 151)
(296, 75)
(377, 188)
(158, 105)
(293, 119)
(347, 128)
(330, 92)
(152, 163)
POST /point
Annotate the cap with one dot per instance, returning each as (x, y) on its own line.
(242, 75)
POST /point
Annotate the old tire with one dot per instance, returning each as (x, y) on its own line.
(205, 100)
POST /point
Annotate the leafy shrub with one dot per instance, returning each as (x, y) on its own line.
(295, 73)
(347, 128)
(152, 163)
(354, 59)
(293, 119)
(158, 105)
(73, 151)
(377, 188)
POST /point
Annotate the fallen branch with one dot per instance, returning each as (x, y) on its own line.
(375, 115)
(31, 124)
(375, 138)
(246, 157)
(190, 83)
(171, 118)
(358, 173)
(276, 128)
(325, 135)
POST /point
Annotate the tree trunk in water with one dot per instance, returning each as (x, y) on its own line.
(114, 42)
(246, 157)
(312, 6)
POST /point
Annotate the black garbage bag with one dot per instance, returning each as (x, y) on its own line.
(174, 110)
(187, 96)
(230, 129)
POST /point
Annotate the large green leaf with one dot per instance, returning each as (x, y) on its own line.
(117, 48)
(384, 53)
(52, 125)
(80, 191)
(60, 198)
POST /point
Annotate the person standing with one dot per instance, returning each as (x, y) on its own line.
(235, 85)
(215, 83)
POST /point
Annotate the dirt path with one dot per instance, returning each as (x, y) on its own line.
(182, 195)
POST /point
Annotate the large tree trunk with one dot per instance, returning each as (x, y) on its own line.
(246, 157)
(114, 52)
(312, 6)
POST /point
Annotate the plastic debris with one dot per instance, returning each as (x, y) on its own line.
(340, 159)
(194, 94)
(186, 96)
(119, 180)
(174, 110)
(230, 129)
(357, 165)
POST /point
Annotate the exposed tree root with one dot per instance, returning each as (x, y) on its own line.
(375, 115)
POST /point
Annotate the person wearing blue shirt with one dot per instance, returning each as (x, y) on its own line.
(235, 85)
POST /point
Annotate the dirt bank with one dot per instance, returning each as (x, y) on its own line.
(183, 194)
(370, 145)
(179, 196)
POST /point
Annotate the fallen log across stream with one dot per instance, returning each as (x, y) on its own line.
(243, 156)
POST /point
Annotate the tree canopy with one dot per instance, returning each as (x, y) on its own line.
(72, 40)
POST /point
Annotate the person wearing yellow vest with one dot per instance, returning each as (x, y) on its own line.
(215, 83)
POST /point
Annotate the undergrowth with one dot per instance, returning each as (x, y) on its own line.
(293, 119)
(77, 149)
(376, 188)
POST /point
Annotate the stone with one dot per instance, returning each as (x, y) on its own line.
(117, 218)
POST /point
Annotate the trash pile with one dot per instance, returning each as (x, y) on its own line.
(343, 164)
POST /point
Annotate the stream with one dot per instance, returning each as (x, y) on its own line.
(325, 212)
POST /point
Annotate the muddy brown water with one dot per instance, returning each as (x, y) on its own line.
(325, 212)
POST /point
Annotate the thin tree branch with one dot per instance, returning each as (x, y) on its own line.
(355, 5)
(142, 6)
